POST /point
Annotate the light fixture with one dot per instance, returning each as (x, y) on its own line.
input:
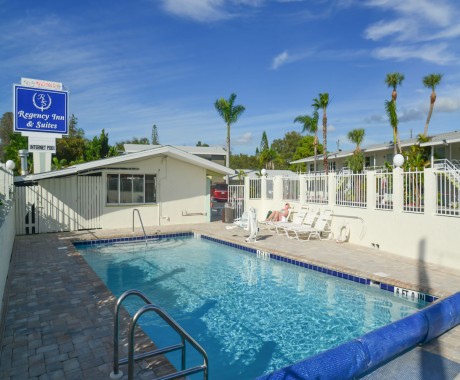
(263, 172)
(10, 165)
(398, 160)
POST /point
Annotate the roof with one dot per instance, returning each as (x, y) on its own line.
(199, 150)
(440, 139)
(255, 173)
(163, 150)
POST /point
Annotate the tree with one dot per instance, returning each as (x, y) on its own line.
(310, 124)
(356, 161)
(244, 161)
(71, 148)
(119, 146)
(431, 81)
(390, 108)
(305, 148)
(394, 80)
(6, 130)
(230, 113)
(264, 142)
(356, 136)
(98, 147)
(199, 143)
(322, 102)
(155, 139)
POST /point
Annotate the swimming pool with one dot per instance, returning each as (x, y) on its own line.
(251, 315)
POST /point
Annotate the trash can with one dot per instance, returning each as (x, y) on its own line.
(227, 213)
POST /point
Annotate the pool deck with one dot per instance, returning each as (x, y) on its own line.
(57, 321)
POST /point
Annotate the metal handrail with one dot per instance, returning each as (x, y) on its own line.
(117, 374)
(142, 225)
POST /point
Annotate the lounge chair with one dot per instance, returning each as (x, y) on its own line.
(297, 219)
(269, 224)
(307, 222)
(322, 226)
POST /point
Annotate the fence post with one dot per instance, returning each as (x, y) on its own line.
(398, 190)
(371, 190)
(331, 185)
(302, 190)
(430, 193)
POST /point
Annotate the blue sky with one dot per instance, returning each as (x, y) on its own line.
(129, 65)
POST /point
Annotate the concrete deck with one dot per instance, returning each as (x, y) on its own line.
(58, 319)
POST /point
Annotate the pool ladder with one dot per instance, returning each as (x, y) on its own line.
(150, 307)
(142, 225)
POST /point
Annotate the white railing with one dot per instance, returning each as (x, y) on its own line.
(413, 196)
(384, 191)
(291, 189)
(255, 188)
(236, 198)
(269, 188)
(316, 188)
(351, 190)
(448, 194)
(6, 192)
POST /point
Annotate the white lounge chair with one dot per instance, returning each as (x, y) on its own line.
(269, 224)
(307, 222)
(297, 219)
(322, 226)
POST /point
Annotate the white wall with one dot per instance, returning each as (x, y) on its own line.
(428, 237)
(181, 196)
(7, 234)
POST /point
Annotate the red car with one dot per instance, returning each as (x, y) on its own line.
(219, 192)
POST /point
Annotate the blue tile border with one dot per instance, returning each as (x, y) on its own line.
(317, 268)
(81, 243)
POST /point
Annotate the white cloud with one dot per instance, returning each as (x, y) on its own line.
(244, 139)
(404, 28)
(280, 60)
(433, 53)
(198, 10)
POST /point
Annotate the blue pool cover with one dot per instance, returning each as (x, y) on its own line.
(360, 356)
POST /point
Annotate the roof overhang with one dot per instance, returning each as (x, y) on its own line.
(163, 151)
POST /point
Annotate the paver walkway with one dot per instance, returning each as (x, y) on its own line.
(59, 316)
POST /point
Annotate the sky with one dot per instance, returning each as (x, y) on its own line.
(130, 64)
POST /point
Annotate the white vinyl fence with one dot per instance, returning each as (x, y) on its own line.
(316, 188)
(351, 190)
(236, 198)
(73, 203)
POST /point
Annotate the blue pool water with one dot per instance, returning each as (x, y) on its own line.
(252, 316)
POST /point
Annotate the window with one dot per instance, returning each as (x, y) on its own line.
(131, 188)
(331, 166)
(367, 162)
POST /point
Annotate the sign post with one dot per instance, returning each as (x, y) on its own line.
(40, 112)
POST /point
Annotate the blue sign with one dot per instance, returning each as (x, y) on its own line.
(40, 110)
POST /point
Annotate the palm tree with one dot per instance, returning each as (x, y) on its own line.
(393, 80)
(322, 101)
(390, 108)
(356, 161)
(356, 136)
(310, 124)
(230, 113)
(431, 81)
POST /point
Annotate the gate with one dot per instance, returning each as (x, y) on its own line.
(58, 204)
(236, 198)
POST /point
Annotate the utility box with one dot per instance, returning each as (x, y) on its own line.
(228, 213)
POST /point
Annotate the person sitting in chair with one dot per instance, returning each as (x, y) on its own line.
(279, 216)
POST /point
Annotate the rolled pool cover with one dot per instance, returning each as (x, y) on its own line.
(373, 349)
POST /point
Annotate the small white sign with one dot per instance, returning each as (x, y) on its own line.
(39, 83)
(42, 145)
(410, 295)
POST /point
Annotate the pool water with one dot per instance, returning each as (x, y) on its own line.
(252, 316)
